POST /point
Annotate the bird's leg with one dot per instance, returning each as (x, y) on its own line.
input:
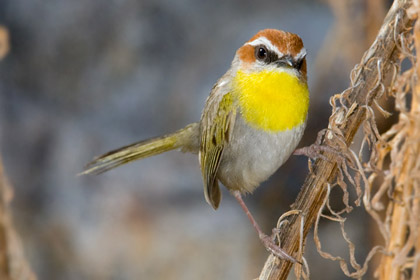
(268, 241)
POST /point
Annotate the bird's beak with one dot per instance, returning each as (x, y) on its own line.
(286, 61)
(290, 61)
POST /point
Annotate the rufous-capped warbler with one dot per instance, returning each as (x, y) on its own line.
(252, 121)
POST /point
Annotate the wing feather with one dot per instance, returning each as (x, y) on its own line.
(217, 125)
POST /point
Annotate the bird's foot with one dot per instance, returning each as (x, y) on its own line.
(317, 150)
(275, 249)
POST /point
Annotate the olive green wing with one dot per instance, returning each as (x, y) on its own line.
(217, 123)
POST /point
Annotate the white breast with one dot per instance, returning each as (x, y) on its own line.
(252, 155)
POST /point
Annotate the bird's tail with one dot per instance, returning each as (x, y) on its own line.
(186, 139)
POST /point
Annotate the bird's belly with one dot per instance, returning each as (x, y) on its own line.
(253, 155)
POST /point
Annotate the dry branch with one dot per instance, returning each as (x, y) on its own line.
(4, 42)
(403, 147)
(13, 265)
(369, 79)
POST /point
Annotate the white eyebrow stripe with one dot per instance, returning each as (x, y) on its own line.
(301, 54)
(264, 41)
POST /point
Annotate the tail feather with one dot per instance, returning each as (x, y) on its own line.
(185, 139)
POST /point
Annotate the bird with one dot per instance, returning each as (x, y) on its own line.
(252, 121)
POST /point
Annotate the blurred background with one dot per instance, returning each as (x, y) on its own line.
(85, 77)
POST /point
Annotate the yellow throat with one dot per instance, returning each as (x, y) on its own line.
(273, 101)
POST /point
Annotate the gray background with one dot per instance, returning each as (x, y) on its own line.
(84, 77)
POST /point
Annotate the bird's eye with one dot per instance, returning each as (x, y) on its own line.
(261, 52)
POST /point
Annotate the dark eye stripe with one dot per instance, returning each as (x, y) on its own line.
(299, 63)
(262, 53)
(271, 57)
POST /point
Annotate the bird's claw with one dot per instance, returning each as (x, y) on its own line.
(315, 151)
(275, 249)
